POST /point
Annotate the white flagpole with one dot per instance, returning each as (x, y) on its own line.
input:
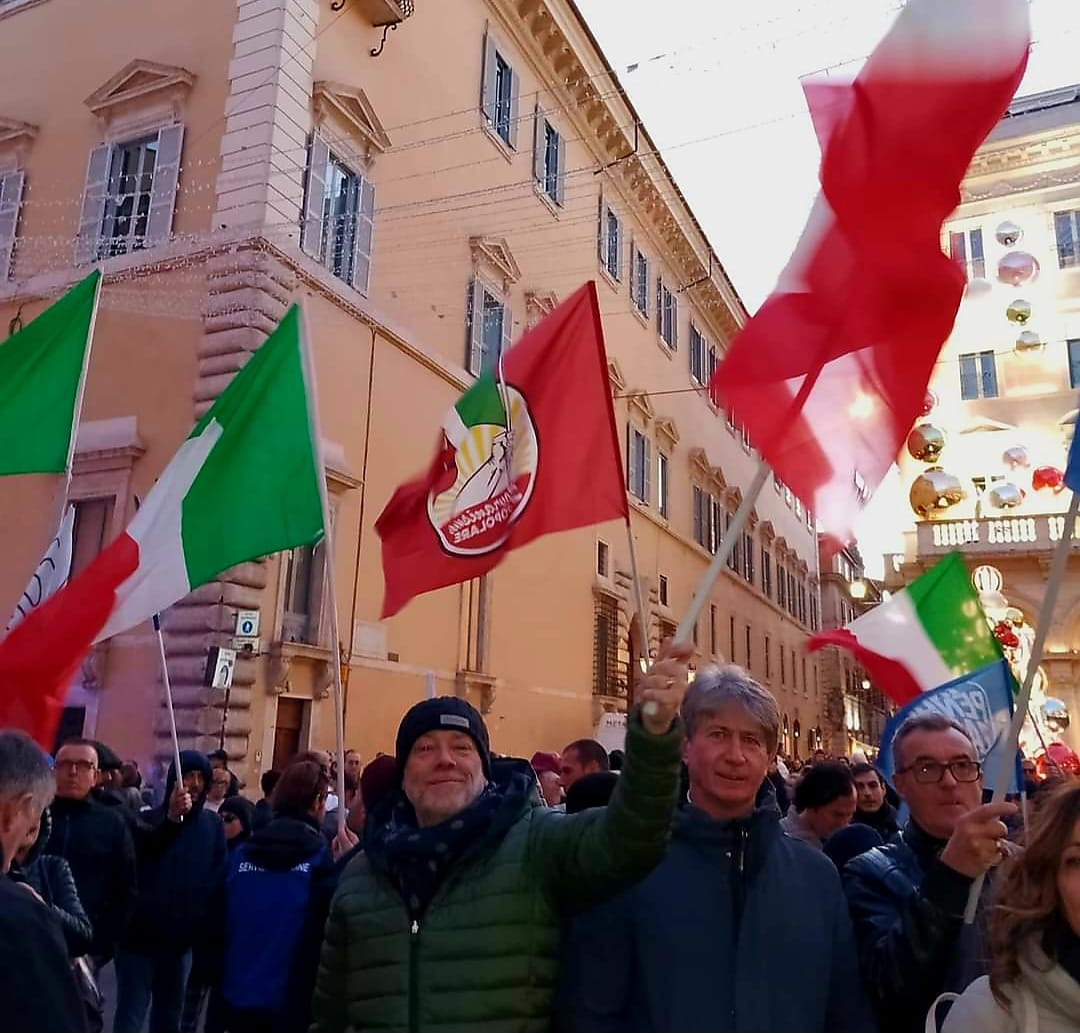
(328, 559)
(723, 551)
(1008, 756)
(168, 700)
(80, 391)
(639, 599)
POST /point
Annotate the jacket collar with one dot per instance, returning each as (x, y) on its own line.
(925, 847)
(717, 838)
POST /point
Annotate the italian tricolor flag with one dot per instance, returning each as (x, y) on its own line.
(246, 483)
(924, 636)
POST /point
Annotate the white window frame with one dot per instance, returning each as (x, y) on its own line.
(11, 195)
(609, 242)
(980, 360)
(699, 351)
(475, 352)
(667, 328)
(663, 484)
(962, 251)
(549, 184)
(500, 119)
(639, 281)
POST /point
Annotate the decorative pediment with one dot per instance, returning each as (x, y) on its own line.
(15, 132)
(539, 304)
(493, 254)
(781, 546)
(615, 377)
(667, 433)
(641, 403)
(140, 82)
(767, 531)
(699, 464)
(350, 109)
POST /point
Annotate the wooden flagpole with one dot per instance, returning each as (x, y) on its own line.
(328, 559)
(1042, 629)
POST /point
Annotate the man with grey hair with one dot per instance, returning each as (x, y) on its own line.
(907, 898)
(36, 985)
(694, 946)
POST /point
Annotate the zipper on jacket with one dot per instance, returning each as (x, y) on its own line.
(414, 976)
(738, 892)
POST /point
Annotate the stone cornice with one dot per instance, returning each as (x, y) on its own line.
(557, 38)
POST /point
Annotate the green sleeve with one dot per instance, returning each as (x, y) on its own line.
(328, 1002)
(583, 858)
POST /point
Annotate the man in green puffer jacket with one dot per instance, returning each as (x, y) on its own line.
(451, 918)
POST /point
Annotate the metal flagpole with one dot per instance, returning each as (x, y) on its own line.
(1046, 611)
(168, 700)
(328, 559)
(642, 643)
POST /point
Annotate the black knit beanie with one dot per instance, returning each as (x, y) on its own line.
(446, 714)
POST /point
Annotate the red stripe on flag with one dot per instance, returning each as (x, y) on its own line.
(38, 660)
(891, 676)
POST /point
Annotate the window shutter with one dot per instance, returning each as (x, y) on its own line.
(560, 182)
(632, 274)
(170, 144)
(646, 488)
(507, 325)
(11, 188)
(629, 458)
(93, 205)
(315, 195)
(601, 235)
(474, 328)
(538, 146)
(674, 323)
(487, 79)
(365, 226)
(515, 89)
(659, 306)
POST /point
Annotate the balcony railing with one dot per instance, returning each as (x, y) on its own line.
(992, 534)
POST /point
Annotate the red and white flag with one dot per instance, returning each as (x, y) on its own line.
(830, 374)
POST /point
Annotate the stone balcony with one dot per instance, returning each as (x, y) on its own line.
(992, 535)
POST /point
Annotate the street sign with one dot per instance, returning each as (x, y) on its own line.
(247, 624)
(220, 665)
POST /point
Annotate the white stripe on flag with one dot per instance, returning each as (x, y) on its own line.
(52, 572)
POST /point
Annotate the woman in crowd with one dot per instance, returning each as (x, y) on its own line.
(277, 895)
(1034, 981)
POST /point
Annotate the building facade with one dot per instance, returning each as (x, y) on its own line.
(854, 710)
(983, 467)
(433, 178)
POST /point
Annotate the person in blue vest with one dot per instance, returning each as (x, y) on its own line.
(277, 895)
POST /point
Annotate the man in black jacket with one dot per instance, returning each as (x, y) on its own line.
(907, 898)
(873, 809)
(37, 989)
(179, 876)
(97, 844)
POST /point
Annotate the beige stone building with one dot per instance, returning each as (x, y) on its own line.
(1005, 389)
(432, 177)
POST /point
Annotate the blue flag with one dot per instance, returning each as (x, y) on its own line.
(1072, 467)
(981, 702)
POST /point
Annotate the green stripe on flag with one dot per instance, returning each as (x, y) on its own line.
(482, 404)
(40, 370)
(258, 491)
(950, 612)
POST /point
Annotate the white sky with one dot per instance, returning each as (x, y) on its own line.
(717, 85)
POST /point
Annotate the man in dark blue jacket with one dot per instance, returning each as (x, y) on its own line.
(693, 947)
(179, 878)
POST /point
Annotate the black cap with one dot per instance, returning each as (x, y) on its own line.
(445, 714)
(107, 759)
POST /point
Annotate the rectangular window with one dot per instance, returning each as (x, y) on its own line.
(303, 581)
(667, 315)
(966, 250)
(745, 435)
(735, 556)
(731, 639)
(805, 683)
(701, 517)
(1067, 232)
(488, 329)
(341, 207)
(90, 531)
(716, 524)
(613, 245)
(768, 658)
(978, 375)
(549, 159)
(602, 554)
(503, 101)
(662, 468)
(711, 363)
(712, 629)
(698, 354)
(748, 558)
(749, 650)
(1074, 362)
(794, 673)
(605, 646)
(813, 610)
(553, 170)
(662, 590)
(766, 571)
(694, 633)
(781, 586)
(637, 464)
(640, 283)
(127, 201)
(783, 667)
(792, 598)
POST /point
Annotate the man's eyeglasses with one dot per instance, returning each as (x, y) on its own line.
(927, 772)
(83, 767)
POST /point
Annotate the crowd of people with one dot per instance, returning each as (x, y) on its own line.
(691, 882)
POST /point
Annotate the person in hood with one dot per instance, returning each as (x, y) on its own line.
(179, 880)
(238, 817)
(451, 917)
(277, 894)
(692, 948)
(1034, 980)
(824, 803)
(37, 989)
(873, 809)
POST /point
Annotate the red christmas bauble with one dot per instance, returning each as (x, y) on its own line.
(1043, 477)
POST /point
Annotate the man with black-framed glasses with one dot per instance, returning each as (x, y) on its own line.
(907, 898)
